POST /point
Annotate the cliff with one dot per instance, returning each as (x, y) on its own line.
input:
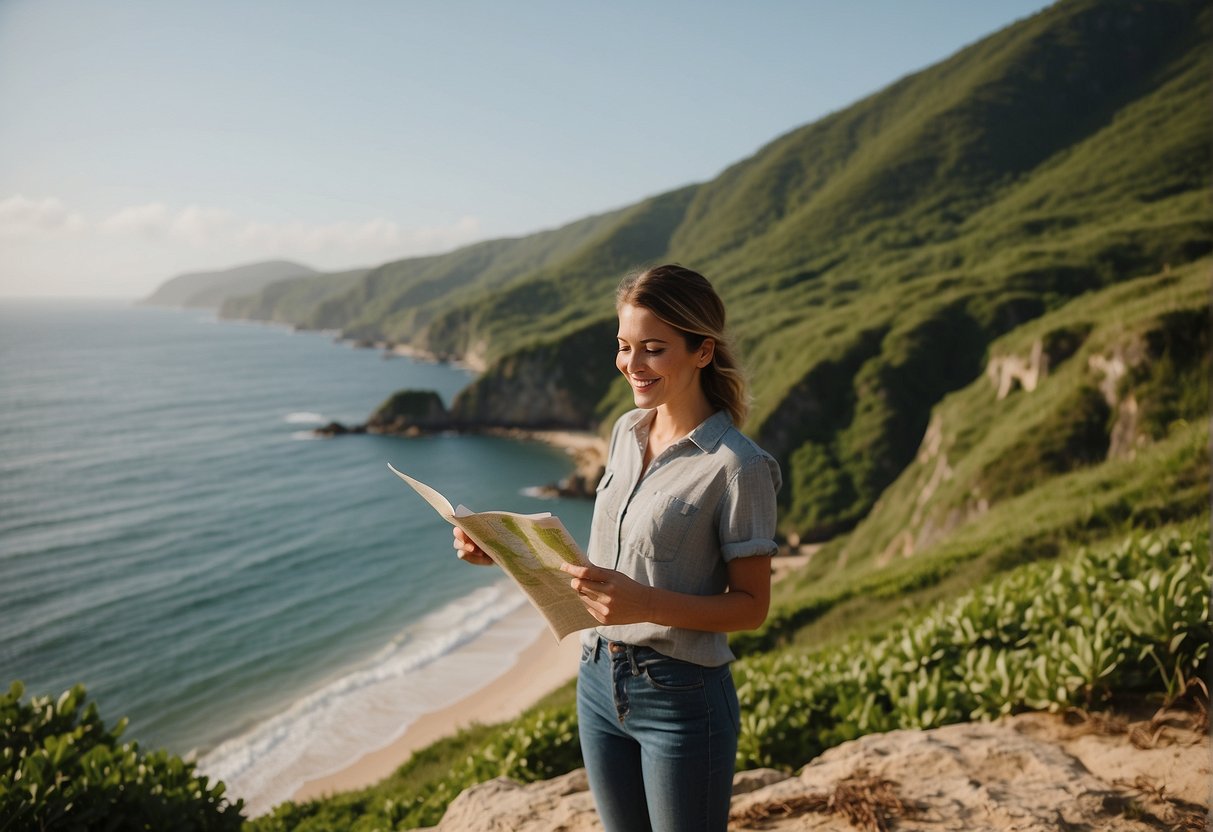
(870, 260)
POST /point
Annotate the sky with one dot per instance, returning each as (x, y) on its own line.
(141, 139)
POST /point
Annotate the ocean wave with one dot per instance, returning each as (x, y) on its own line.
(538, 492)
(427, 667)
(304, 417)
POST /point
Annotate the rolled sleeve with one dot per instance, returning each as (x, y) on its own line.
(747, 510)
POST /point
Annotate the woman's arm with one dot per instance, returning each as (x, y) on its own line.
(614, 598)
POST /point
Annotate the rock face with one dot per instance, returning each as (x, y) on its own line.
(1028, 773)
(338, 429)
(550, 385)
(408, 411)
(502, 805)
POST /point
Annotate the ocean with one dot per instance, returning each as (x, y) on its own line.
(173, 537)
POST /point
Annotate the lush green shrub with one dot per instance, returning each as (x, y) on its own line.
(61, 768)
(1134, 617)
(540, 745)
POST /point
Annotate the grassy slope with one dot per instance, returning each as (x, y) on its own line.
(1024, 477)
(395, 300)
(211, 289)
(291, 300)
(871, 258)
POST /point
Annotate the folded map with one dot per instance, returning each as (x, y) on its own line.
(529, 548)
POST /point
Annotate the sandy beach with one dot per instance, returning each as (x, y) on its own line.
(541, 668)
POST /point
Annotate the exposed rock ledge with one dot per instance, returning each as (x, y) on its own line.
(421, 412)
(1029, 772)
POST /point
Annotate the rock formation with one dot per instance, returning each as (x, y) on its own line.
(1029, 772)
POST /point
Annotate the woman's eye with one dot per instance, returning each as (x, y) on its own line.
(654, 352)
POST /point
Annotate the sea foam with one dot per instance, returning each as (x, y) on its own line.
(304, 417)
(449, 654)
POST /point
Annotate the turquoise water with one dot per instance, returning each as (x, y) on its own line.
(172, 537)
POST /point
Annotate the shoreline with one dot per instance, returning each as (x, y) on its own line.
(539, 669)
(587, 450)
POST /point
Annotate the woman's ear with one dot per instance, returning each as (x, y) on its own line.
(706, 352)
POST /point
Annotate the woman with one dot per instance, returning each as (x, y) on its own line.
(681, 542)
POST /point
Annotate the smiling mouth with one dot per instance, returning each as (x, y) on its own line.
(644, 384)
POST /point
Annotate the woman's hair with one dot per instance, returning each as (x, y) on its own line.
(685, 300)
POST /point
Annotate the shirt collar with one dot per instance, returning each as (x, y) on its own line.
(706, 436)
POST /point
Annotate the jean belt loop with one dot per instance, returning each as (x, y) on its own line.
(597, 647)
(632, 660)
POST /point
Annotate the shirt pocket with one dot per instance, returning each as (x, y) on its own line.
(603, 495)
(670, 522)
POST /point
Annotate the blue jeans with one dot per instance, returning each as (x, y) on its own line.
(659, 739)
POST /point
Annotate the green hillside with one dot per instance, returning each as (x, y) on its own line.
(869, 259)
(396, 301)
(211, 289)
(1091, 421)
(290, 300)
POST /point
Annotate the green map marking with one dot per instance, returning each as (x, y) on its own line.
(564, 549)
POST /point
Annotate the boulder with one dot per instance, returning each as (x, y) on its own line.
(410, 412)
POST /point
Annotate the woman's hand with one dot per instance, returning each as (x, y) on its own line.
(469, 551)
(614, 598)
(610, 596)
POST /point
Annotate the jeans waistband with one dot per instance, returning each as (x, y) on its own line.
(636, 655)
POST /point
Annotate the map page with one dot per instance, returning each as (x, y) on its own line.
(529, 548)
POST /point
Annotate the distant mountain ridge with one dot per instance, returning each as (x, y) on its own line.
(869, 260)
(211, 289)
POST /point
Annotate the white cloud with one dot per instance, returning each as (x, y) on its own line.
(149, 220)
(201, 226)
(22, 217)
(52, 237)
(378, 235)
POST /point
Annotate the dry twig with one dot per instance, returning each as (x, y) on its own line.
(1104, 723)
(1177, 814)
(869, 803)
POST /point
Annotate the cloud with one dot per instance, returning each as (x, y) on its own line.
(373, 235)
(205, 229)
(21, 217)
(149, 220)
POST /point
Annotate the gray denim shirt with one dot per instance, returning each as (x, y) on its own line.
(705, 500)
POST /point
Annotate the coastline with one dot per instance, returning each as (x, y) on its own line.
(587, 449)
(539, 669)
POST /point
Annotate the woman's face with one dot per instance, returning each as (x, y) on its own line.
(654, 357)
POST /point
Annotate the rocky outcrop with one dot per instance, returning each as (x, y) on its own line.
(927, 526)
(1010, 371)
(1112, 368)
(1031, 772)
(405, 413)
(338, 429)
(409, 411)
(555, 384)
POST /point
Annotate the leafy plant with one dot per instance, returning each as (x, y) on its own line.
(1130, 617)
(61, 768)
